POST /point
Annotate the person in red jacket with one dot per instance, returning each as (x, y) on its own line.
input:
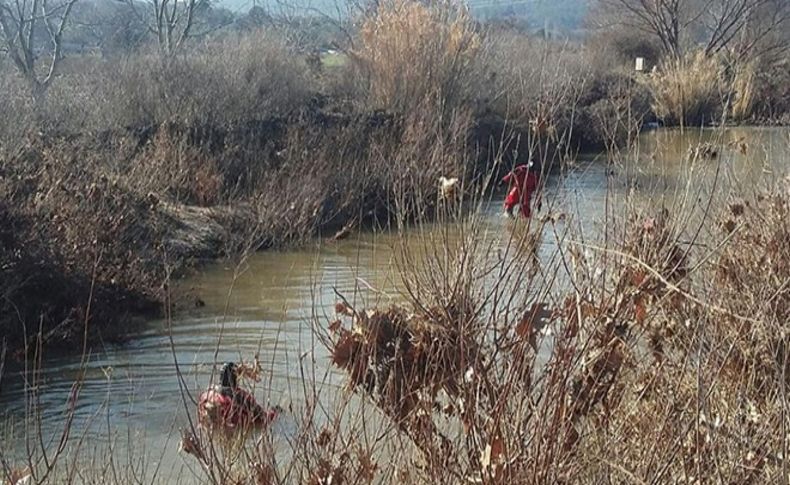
(229, 407)
(523, 183)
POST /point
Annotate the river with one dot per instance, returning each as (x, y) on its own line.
(266, 305)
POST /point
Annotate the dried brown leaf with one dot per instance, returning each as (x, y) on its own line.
(638, 277)
(324, 437)
(640, 309)
(251, 371)
(345, 349)
(342, 308)
(263, 473)
(649, 224)
(533, 321)
(497, 450)
(367, 467)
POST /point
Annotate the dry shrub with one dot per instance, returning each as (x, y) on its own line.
(708, 398)
(429, 147)
(772, 91)
(702, 392)
(743, 90)
(560, 93)
(758, 360)
(534, 82)
(238, 78)
(611, 111)
(389, 353)
(687, 90)
(80, 241)
(413, 53)
(227, 81)
(664, 361)
(365, 168)
(330, 174)
(178, 170)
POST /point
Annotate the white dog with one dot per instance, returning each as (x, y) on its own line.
(448, 187)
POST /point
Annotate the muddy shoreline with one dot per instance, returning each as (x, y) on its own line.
(85, 241)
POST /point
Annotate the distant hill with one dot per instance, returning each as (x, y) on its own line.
(562, 16)
(241, 6)
(557, 15)
(328, 7)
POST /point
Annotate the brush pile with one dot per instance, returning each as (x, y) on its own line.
(403, 359)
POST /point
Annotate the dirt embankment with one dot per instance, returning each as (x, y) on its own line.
(93, 226)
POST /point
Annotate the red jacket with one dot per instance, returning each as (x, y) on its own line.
(231, 409)
(523, 183)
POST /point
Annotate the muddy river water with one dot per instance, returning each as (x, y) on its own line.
(266, 305)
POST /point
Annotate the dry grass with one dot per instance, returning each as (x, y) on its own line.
(687, 91)
(699, 89)
(414, 55)
(656, 355)
(744, 79)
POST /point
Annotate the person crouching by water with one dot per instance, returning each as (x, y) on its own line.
(523, 183)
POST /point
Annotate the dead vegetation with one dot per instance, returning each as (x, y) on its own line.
(673, 369)
(121, 211)
(660, 358)
(660, 361)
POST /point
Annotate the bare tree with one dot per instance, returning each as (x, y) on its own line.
(109, 27)
(747, 26)
(712, 24)
(173, 22)
(32, 30)
(664, 19)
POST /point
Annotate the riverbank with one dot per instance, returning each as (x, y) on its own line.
(95, 225)
(131, 169)
(595, 333)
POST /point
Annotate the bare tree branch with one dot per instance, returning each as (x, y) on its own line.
(714, 25)
(173, 22)
(21, 24)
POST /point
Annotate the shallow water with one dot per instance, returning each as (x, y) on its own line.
(267, 304)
